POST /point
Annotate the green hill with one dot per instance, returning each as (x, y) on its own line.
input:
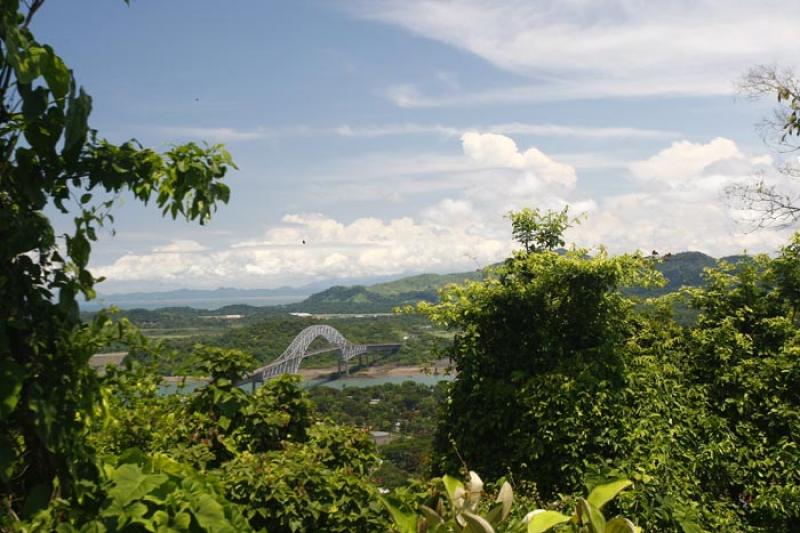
(423, 283)
(382, 297)
(683, 269)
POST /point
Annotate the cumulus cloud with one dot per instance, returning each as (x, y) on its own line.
(364, 247)
(684, 160)
(681, 204)
(492, 149)
(675, 204)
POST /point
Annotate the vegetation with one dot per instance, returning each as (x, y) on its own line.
(78, 452)
(50, 156)
(566, 383)
(584, 386)
(407, 410)
(772, 204)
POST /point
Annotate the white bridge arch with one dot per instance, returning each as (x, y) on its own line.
(289, 361)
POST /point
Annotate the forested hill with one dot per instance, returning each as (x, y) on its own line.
(684, 269)
(681, 269)
(380, 298)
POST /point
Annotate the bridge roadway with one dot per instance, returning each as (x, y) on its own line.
(290, 359)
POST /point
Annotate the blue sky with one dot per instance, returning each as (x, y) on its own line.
(392, 136)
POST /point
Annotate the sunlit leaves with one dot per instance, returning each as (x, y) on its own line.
(50, 156)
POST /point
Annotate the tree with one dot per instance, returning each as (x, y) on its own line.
(773, 206)
(538, 231)
(50, 157)
(539, 352)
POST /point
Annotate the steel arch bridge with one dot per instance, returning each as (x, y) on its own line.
(298, 349)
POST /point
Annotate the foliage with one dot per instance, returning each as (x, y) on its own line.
(557, 367)
(266, 452)
(313, 486)
(50, 156)
(587, 516)
(537, 348)
(267, 336)
(465, 511)
(408, 410)
(772, 205)
(537, 231)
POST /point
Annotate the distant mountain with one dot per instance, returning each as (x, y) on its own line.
(199, 299)
(683, 269)
(428, 283)
(221, 297)
(380, 295)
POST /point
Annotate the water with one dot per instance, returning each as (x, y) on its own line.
(340, 383)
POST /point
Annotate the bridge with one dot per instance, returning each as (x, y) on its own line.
(298, 349)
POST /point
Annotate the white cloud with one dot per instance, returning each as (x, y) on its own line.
(681, 203)
(583, 49)
(676, 204)
(364, 247)
(494, 150)
(180, 246)
(684, 160)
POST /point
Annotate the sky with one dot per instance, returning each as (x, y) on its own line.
(393, 136)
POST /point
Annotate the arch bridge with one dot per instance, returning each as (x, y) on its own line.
(289, 361)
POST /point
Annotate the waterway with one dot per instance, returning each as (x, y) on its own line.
(342, 382)
(351, 381)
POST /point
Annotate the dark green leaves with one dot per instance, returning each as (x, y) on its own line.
(11, 378)
(51, 157)
(130, 483)
(76, 125)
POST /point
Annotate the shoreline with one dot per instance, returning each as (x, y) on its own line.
(437, 368)
(377, 371)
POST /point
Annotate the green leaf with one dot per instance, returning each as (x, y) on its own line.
(431, 516)
(405, 521)
(130, 484)
(136, 510)
(603, 494)
(210, 514)
(542, 520)
(36, 499)
(95, 526)
(56, 73)
(29, 62)
(591, 514)
(11, 376)
(476, 524)
(620, 525)
(76, 123)
(455, 490)
(495, 514)
(182, 520)
(79, 248)
(506, 497)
